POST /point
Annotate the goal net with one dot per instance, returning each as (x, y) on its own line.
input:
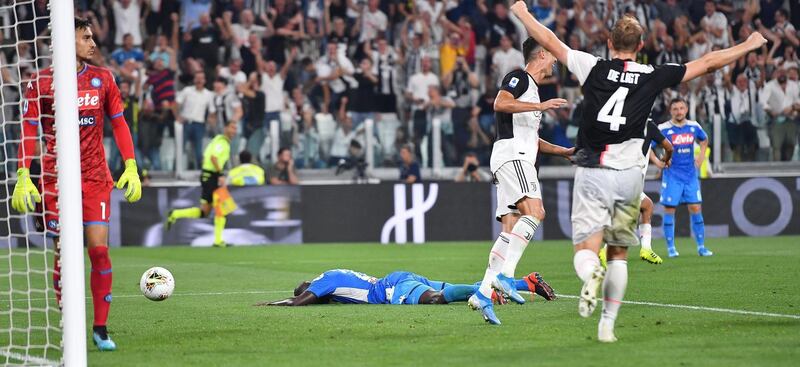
(30, 318)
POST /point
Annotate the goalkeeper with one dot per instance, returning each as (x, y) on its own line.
(216, 154)
(98, 96)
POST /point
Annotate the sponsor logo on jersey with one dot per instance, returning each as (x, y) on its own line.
(682, 139)
(96, 82)
(86, 121)
(52, 224)
(88, 100)
(513, 82)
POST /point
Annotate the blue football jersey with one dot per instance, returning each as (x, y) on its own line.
(348, 286)
(682, 139)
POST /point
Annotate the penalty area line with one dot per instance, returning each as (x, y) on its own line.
(701, 308)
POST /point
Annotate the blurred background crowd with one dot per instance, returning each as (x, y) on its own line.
(321, 68)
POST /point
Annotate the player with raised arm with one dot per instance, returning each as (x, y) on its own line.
(518, 112)
(679, 182)
(618, 94)
(98, 96)
(396, 288)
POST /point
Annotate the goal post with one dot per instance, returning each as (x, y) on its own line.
(33, 331)
(65, 83)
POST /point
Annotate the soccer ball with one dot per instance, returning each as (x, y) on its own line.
(157, 284)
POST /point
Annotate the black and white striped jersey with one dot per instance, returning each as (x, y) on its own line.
(517, 133)
(618, 96)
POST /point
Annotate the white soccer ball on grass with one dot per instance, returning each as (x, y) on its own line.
(157, 284)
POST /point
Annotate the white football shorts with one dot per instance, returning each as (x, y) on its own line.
(515, 180)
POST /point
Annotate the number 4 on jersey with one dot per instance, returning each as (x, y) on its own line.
(616, 102)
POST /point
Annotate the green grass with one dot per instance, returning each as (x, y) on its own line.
(222, 328)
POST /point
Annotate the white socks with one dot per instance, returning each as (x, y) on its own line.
(645, 232)
(519, 237)
(496, 259)
(585, 261)
(614, 289)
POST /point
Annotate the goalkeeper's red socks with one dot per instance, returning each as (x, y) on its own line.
(100, 283)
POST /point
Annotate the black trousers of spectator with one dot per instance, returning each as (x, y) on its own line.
(461, 117)
(743, 140)
(419, 120)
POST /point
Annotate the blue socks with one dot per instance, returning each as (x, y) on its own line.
(699, 229)
(669, 231)
(458, 292)
(522, 285)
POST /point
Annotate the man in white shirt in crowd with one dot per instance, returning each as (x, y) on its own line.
(417, 96)
(272, 81)
(332, 69)
(781, 101)
(741, 131)
(194, 103)
(715, 24)
(506, 59)
(373, 20)
(127, 19)
(241, 31)
(233, 74)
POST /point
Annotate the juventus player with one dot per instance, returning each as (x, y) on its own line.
(518, 112)
(619, 94)
(652, 136)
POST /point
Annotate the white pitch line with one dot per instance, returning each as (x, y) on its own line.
(177, 295)
(27, 359)
(641, 303)
(701, 308)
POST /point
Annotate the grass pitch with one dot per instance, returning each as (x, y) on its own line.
(210, 320)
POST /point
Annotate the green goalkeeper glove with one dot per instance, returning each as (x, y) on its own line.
(25, 192)
(131, 178)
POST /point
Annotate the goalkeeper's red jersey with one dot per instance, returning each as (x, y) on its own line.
(98, 96)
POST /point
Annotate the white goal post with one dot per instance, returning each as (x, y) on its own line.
(70, 205)
(32, 329)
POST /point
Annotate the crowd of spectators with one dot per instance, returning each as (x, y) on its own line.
(321, 68)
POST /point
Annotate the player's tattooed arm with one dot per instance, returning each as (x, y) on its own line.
(506, 103)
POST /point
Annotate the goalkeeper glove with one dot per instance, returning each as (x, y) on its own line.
(131, 178)
(25, 192)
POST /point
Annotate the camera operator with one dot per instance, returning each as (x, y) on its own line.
(354, 160)
(470, 170)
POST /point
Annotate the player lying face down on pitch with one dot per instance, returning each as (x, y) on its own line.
(397, 288)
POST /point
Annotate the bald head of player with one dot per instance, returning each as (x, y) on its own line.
(626, 38)
(84, 41)
(538, 61)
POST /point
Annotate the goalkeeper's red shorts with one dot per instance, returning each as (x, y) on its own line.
(96, 204)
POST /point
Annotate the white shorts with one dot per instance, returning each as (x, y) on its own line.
(607, 200)
(515, 180)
